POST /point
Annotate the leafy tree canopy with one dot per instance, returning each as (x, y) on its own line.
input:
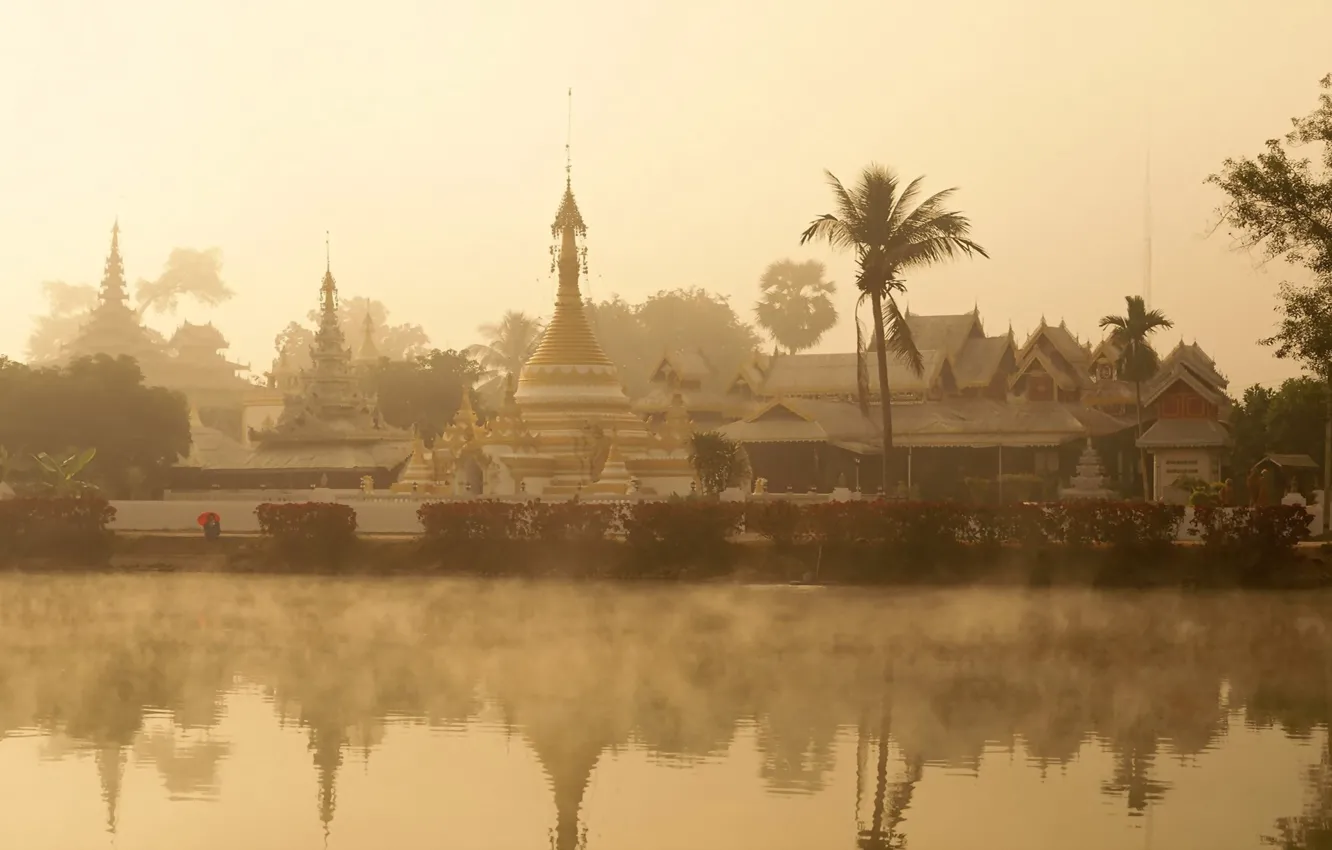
(1286, 420)
(98, 403)
(426, 391)
(1282, 202)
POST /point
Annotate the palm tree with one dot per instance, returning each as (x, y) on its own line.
(796, 307)
(1137, 359)
(508, 345)
(890, 233)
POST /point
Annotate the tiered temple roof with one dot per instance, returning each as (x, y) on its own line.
(974, 390)
(190, 362)
(329, 427)
(114, 327)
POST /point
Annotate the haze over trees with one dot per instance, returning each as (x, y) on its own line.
(891, 232)
(635, 336)
(508, 344)
(189, 273)
(395, 342)
(795, 306)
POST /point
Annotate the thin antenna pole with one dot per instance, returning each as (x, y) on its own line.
(1147, 186)
(1147, 230)
(568, 140)
(328, 261)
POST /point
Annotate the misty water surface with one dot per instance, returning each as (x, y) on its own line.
(222, 712)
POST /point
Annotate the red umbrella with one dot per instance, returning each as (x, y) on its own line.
(207, 516)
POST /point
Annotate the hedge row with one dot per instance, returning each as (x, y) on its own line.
(881, 523)
(73, 529)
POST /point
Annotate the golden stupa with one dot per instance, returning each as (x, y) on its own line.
(558, 426)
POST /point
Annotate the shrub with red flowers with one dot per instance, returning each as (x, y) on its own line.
(304, 531)
(74, 527)
(1264, 528)
(475, 520)
(930, 527)
(680, 531)
(780, 520)
(571, 522)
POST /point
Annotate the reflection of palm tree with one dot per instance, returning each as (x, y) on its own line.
(889, 808)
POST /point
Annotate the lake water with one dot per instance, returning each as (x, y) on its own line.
(215, 713)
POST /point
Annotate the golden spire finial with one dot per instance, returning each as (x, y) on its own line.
(568, 140)
(328, 261)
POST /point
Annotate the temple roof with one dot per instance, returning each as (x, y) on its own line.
(212, 449)
(979, 359)
(835, 374)
(686, 364)
(944, 333)
(1185, 433)
(930, 424)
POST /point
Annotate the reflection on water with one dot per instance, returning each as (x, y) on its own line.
(221, 712)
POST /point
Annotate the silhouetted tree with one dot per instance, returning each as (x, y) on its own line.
(635, 336)
(1281, 203)
(891, 233)
(508, 344)
(796, 306)
(68, 306)
(189, 273)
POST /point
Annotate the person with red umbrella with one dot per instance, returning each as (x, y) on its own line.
(211, 524)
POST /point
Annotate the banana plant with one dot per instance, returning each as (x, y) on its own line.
(62, 473)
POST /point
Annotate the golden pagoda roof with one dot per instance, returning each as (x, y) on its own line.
(569, 340)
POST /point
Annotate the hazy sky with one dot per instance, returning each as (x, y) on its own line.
(428, 137)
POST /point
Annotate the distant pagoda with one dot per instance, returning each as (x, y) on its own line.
(113, 328)
(329, 430)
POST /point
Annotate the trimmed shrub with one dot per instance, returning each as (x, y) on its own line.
(781, 521)
(680, 534)
(72, 527)
(309, 531)
(475, 520)
(1264, 528)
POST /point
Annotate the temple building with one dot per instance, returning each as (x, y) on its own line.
(328, 433)
(566, 428)
(982, 408)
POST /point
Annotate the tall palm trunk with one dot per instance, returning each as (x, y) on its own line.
(885, 396)
(1142, 453)
(1327, 471)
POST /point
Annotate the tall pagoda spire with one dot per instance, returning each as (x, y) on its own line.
(329, 340)
(568, 340)
(368, 351)
(113, 277)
